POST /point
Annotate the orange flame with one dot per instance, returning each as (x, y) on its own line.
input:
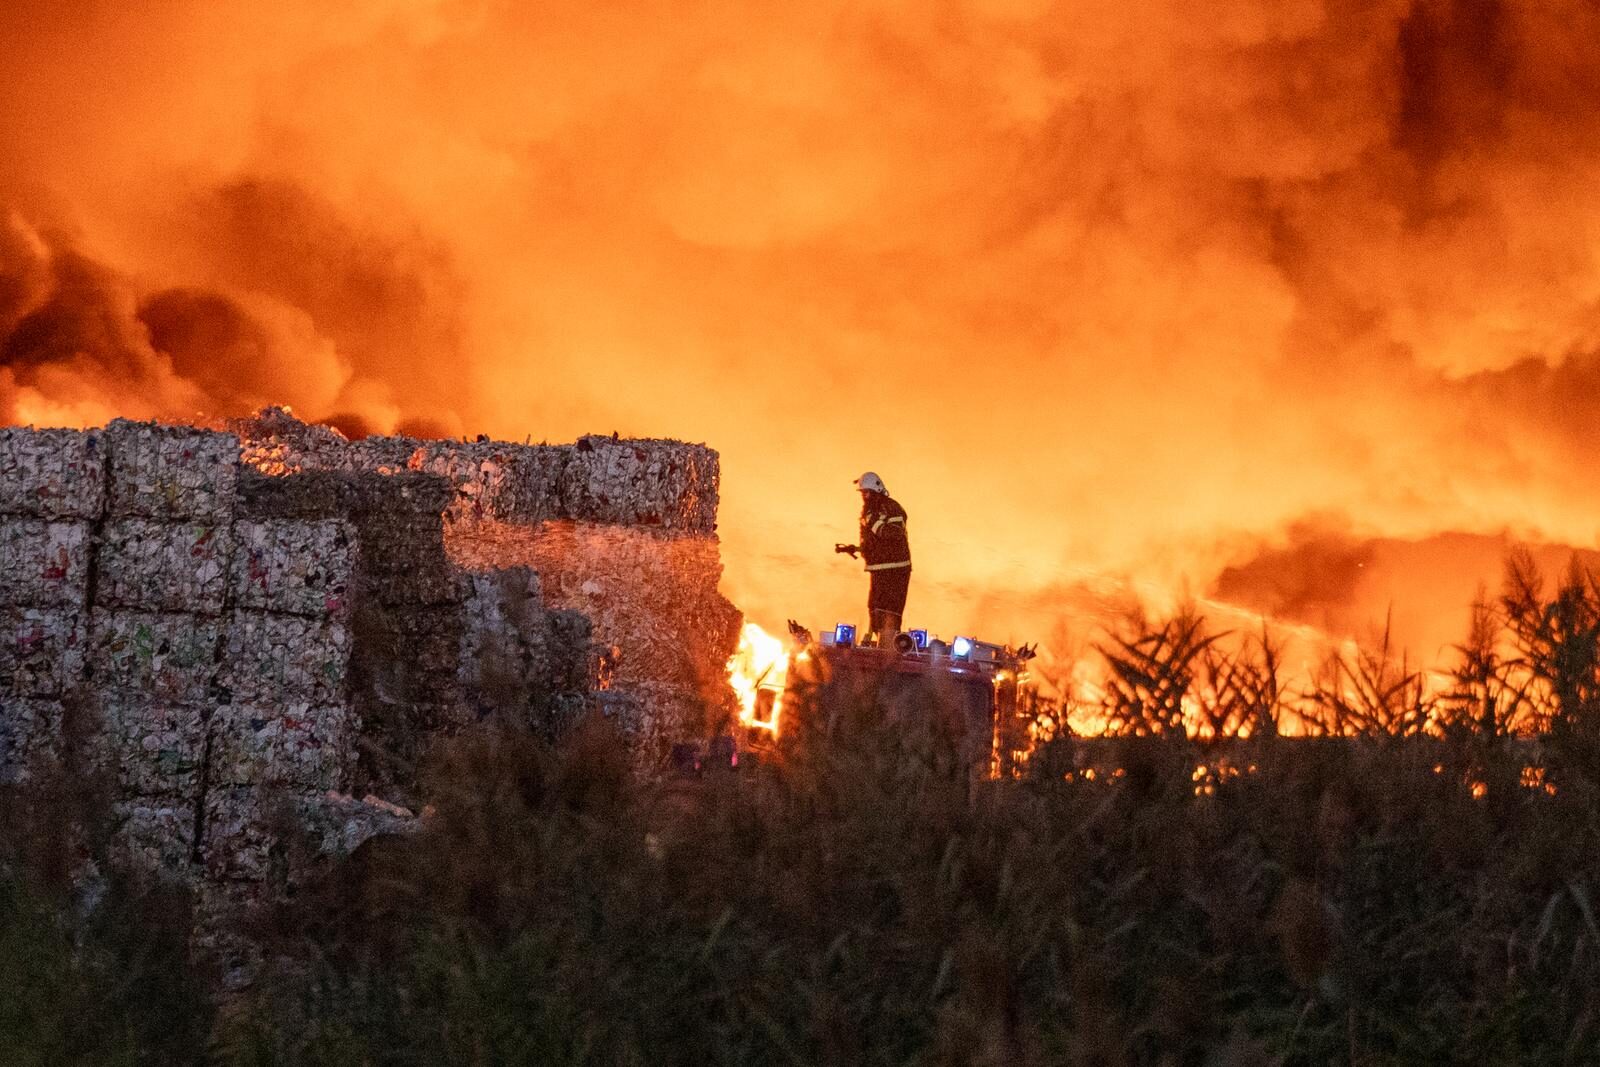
(757, 672)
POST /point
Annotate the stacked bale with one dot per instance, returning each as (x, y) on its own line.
(520, 657)
(653, 601)
(493, 480)
(159, 629)
(621, 530)
(621, 481)
(52, 490)
(398, 615)
(286, 730)
(665, 484)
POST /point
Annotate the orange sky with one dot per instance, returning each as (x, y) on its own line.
(1098, 288)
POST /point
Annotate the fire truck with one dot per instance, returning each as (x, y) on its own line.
(970, 689)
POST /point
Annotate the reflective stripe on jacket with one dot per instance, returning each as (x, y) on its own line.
(884, 544)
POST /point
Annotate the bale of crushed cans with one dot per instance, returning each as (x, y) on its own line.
(517, 655)
(52, 474)
(298, 746)
(395, 519)
(667, 484)
(30, 729)
(155, 834)
(255, 835)
(164, 566)
(492, 479)
(41, 650)
(273, 657)
(170, 472)
(651, 594)
(252, 639)
(167, 656)
(44, 562)
(638, 482)
(294, 566)
(158, 749)
(243, 827)
(320, 494)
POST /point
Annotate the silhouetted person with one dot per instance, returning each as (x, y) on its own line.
(886, 550)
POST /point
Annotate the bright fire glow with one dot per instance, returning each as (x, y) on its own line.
(757, 671)
(1265, 307)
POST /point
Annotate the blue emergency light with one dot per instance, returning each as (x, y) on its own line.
(921, 638)
(961, 647)
(844, 635)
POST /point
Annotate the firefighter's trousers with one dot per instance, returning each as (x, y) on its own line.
(886, 599)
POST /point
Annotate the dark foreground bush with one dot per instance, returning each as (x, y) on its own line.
(1421, 891)
(94, 965)
(864, 902)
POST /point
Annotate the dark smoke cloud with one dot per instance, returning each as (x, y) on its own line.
(1354, 587)
(299, 308)
(70, 337)
(388, 297)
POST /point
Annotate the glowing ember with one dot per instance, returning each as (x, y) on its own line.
(757, 671)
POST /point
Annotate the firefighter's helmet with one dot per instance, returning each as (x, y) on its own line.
(871, 483)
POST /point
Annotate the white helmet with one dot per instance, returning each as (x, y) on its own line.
(871, 483)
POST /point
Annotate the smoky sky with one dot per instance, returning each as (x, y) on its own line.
(1096, 287)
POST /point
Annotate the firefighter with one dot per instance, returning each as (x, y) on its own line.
(886, 550)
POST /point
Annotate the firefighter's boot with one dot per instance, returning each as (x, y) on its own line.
(885, 624)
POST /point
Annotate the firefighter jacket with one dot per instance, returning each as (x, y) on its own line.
(884, 545)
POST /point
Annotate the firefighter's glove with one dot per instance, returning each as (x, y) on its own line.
(849, 550)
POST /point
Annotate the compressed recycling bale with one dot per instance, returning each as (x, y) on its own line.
(158, 748)
(164, 566)
(155, 835)
(274, 837)
(331, 494)
(413, 656)
(501, 618)
(171, 472)
(486, 478)
(53, 474)
(275, 442)
(667, 714)
(496, 480)
(422, 587)
(298, 745)
(41, 650)
(572, 651)
(653, 595)
(397, 544)
(44, 563)
(295, 567)
(30, 729)
(164, 656)
(246, 829)
(641, 483)
(275, 658)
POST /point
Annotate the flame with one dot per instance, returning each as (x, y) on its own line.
(757, 671)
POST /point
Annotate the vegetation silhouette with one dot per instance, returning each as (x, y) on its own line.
(1412, 884)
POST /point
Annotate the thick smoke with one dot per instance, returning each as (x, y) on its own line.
(80, 344)
(1096, 287)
